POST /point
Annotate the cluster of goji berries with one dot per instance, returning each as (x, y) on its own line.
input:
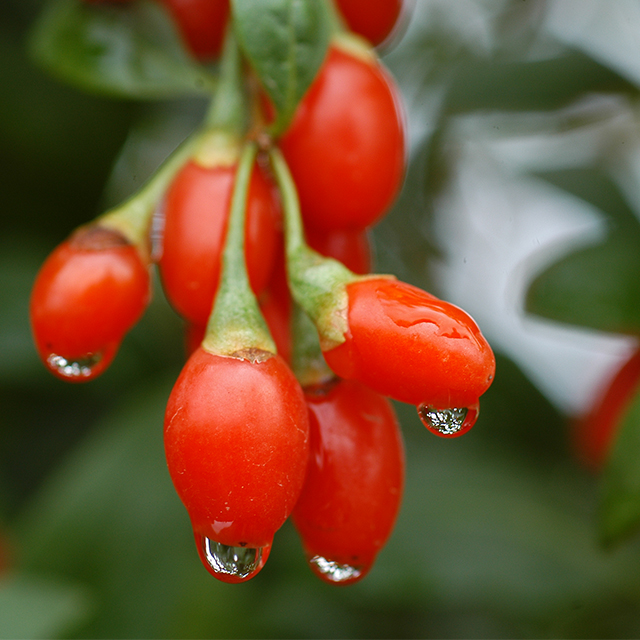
(282, 408)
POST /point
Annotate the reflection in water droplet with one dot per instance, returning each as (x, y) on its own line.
(334, 571)
(231, 564)
(80, 368)
(448, 422)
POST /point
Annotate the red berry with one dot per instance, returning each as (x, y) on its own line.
(349, 246)
(595, 432)
(90, 291)
(345, 146)
(409, 345)
(353, 489)
(196, 213)
(276, 304)
(372, 19)
(236, 439)
(202, 24)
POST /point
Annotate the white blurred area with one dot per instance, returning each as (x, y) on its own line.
(498, 225)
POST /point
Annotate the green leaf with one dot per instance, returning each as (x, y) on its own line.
(595, 187)
(619, 512)
(530, 86)
(286, 42)
(127, 52)
(597, 286)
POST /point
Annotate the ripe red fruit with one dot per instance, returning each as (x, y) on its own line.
(595, 432)
(202, 24)
(345, 146)
(409, 345)
(353, 488)
(90, 291)
(372, 19)
(349, 246)
(275, 305)
(236, 437)
(196, 214)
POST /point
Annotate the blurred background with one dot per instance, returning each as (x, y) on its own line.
(525, 154)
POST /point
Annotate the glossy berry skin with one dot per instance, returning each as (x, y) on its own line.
(236, 436)
(89, 292)
(349, 246)
(345, 146)
(372, 19)
(595, 432)
(202, 24)
(353, 489)
(409, 345)
(196, 214)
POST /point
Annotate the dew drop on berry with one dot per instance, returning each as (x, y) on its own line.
(335, 572)
(448, 423)
(231, 564)
(75, 370)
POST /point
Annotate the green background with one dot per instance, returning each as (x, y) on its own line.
(523, 120)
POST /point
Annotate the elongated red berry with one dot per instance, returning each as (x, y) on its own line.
(349, 246)
(595, 432)
(90, 291)
(345, 146)
(236, 437)
(353, 488)
(372, 19)
(196, 215)
(407, 344)
(202, 24)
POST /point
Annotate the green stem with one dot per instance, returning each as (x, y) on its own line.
(317, 284)
(307, 360)
(228, 111)
(133, 216)
(226, 117)
(236, 323)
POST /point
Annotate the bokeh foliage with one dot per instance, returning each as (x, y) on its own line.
(498, 534)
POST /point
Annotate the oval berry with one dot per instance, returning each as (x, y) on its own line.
(345, 145)
(196, 214)
(409, 345)
(372, 19)
(349, 246)
(353, 488)
(236, 437)
(595, 432)
(202, 24)
(89, 292)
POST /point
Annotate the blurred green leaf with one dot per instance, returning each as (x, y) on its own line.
(594, 186)
(619, 512)
(286, 42)
(110, 517)
(127, 52)
(530, 86)
(597, 286)
(32, 607)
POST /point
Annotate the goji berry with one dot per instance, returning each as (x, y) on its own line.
(89, 292)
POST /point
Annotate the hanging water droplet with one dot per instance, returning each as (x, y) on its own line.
(81, 368)
(448, 422)
(231, 564)
(335, 572)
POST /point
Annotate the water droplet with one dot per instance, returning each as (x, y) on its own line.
(80, 369)
(449, 423)
(231, 564)
(335, 572)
